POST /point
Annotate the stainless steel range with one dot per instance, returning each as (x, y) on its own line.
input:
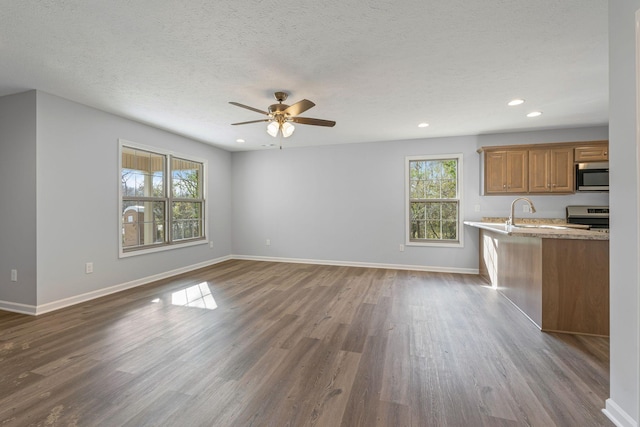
(597, 217)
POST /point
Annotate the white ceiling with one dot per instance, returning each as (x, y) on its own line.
(376, 67)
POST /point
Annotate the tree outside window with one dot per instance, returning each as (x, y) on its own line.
(187, 201)
(433, 199)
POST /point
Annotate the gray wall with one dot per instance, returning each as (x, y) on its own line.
(77, 193)
(341, 203)
(63, 158)
(18, 197)
(346, 203)
(624, 209)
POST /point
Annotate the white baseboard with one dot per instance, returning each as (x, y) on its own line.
(77, 299)
(617, 415)
(360, 264)
(16, 307)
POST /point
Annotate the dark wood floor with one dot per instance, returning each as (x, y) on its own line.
(298, 345)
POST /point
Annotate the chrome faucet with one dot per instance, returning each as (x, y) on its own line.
(511, 220)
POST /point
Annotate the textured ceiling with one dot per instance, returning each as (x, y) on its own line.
(377, 68)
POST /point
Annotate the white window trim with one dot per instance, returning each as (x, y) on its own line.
(444, 244)
(165, 247)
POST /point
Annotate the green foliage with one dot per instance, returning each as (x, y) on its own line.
(186, 216)
(433, 179)
(433, 205)
(186, 184)
(187, 220)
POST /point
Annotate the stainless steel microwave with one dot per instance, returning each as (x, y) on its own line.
(592, 176)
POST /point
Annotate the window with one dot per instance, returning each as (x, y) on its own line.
(162, 199)
(433, 200)
(187, 202)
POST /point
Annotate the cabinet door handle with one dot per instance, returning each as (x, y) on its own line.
(504, 185)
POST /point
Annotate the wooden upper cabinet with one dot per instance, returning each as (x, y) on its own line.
(562, 171)
(592, 153)
(538, 168)
(506, 171)
(495, 171)
(551, 170)
(539, 171)
(517, 167)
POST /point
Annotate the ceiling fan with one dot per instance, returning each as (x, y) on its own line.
(281, 115)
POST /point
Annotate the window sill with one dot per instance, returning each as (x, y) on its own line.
(161, 248)
(436, 244)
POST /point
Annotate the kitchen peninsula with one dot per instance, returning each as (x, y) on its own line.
(555, 274)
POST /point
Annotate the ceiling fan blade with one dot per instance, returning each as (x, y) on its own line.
(237, 104)
(252, 121)
(299, 107)
(315, 122)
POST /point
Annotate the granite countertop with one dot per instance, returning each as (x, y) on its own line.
(543, 228)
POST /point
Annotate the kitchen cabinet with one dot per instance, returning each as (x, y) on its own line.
(547, 168)
(551, 170)
(506, 171)
(592, 153)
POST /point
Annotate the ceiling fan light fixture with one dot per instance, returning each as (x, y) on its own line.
(287, 129)
(280, 116)
(272, 128)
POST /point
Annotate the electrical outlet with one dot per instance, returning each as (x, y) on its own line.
(526, 208)
(211, 244)
(14, 275)
(88, 268)
(401, 248)
(476, 208)
(268, 243)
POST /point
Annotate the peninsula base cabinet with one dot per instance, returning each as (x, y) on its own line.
(562, 285)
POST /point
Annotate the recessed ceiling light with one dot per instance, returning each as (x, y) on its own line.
(515, 102)
(240, 141)
(534, 114)
(423, 125)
